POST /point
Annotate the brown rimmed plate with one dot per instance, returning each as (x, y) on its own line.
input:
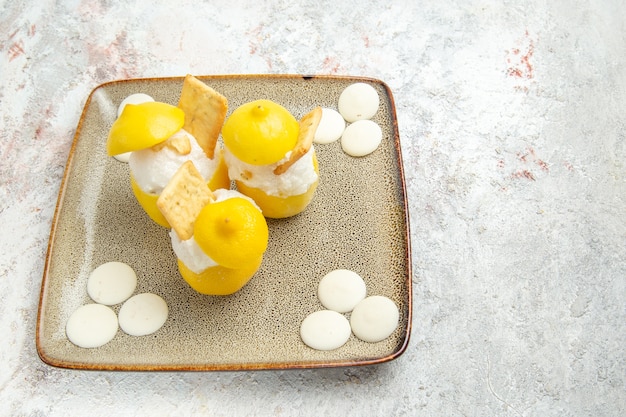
(358, 220)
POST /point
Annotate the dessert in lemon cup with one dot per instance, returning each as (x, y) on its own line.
(270, 156)
(219, 237)
(161, 137)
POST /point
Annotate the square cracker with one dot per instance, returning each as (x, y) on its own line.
(308, 126)
(182, 199)
(205, 111)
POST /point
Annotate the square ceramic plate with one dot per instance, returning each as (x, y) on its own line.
(358, 220)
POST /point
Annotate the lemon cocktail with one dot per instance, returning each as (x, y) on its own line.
(160, 137)
(219, 237)
(270, 156)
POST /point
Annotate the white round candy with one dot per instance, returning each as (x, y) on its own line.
(330, 128)
(325, 330)
(123, 157)
(358, 101)
(111, 283)
(91, 326)
(143, 314)
(374, 318)
(136, 98)
(361, 138)
(340, 290)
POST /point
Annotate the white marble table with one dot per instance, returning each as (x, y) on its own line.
(512, 117)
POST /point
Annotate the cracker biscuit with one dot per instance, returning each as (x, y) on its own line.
(308, 126)
(205, 111)
(179, 143)
(182, 199)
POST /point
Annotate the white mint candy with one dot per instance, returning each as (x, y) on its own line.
(330, 128)
(374, 318)
(325, 330)
(136, 98)
(143, 314)
(123, 157)
(361, 138)
(358, 101)
(91, 326)
(340, 290)
(111, 283)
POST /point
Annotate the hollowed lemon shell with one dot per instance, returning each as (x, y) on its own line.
(280, 207)
(218, 280)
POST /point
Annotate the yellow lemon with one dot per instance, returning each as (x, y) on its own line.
(280, 207)
(218, 280)
(260, 132)
(148, 200)
(141, 126)
(220, 177)
(232, 232)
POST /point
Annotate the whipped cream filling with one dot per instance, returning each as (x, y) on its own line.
(296, 180)
(188, 250)
(152, 169)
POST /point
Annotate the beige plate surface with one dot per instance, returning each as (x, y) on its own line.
(358, 220)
